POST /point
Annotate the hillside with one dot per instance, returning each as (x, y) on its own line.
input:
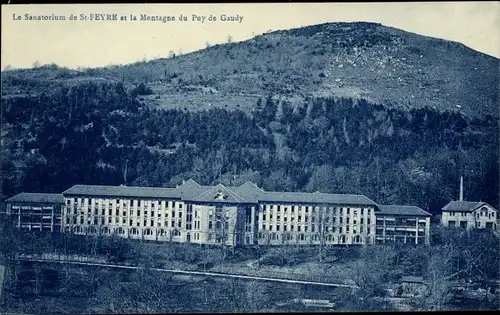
(339, 107)
(358, 60)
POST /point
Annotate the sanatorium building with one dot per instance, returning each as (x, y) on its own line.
(239, 215)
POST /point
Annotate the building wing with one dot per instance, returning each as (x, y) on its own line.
(463, 206)
(121, 191)
(37, 198)
(403, 210)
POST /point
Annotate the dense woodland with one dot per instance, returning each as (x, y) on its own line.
(98, 133)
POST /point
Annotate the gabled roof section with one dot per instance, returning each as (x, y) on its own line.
(301, 197)
(37, 197)
(190, 189)
(403, 210)
(121, 191)
(219, 193)
(464, 206)
(248, 191)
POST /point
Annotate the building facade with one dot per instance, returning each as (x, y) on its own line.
(469, 214)
(36, 211)
(403, 225)
(236, 215)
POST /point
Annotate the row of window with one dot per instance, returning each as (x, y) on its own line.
(314, 217)
(307, 209)
(125, 214)
(124, 203)
(483, 213)
(305, 228)
(38, 208)
(305, 237)
(111, 220)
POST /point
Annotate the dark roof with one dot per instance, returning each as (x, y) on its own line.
(37, 197)
(402, 210)
(126, 191)
(302, 197)
(464, 206)
(249, 191)
(190, 189)
(245, 193)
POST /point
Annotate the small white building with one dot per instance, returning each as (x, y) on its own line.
(469, 214)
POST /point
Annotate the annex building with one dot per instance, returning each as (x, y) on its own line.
(469, 214)
(237, 215)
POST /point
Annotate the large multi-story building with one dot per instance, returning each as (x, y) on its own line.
(36, 211)
(237, 215)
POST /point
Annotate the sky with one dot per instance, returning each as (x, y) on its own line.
(92, 43)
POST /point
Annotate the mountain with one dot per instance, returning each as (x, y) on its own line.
(358, 60)
(338, 107)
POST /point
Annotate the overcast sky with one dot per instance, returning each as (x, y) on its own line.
(98, 43)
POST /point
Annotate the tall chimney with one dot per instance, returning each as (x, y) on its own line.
(461, 188)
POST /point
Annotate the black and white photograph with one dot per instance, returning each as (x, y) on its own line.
(250, 157)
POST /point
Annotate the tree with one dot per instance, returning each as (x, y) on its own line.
(438, 283)
(372, 269)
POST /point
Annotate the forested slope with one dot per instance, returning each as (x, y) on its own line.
(98, 133)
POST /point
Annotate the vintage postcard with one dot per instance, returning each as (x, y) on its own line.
(271, 157)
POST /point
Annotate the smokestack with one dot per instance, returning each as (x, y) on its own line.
(461, 188)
